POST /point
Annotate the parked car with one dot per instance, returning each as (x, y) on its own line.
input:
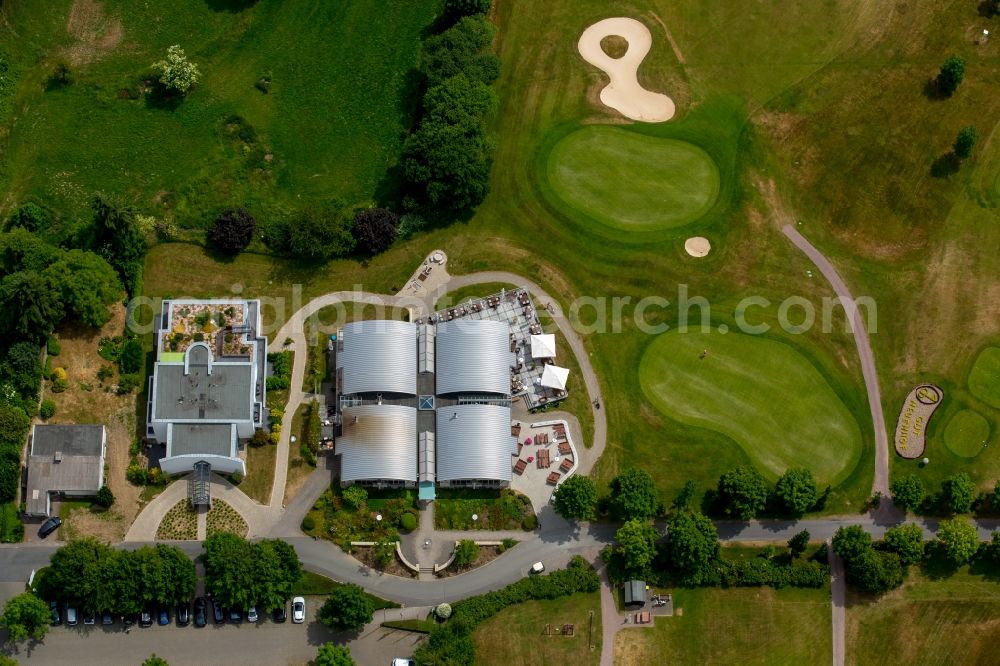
(163, 616)
(298, 610)
(235, 615)
(49, 526)
(183, 615)
(403, 662)
(56, 614)
(145, 619)
(278, 614)
(128, 620)
(71, 618)
(200, 612)
(217, 615)
(107, 618)
(252, 614)
(90, 619)
(537, 568)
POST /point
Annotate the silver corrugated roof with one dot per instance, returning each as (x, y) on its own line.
(379, 356)
(380, 444)
(473, 356)
(474, 442)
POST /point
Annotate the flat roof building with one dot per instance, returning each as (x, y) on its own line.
(64, 460)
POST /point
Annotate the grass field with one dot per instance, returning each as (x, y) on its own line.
(516, 635)
(734, 626)
(630, 181)
(260, 472)
(984, 378)
(735, 390)
(967, 433)
(953, 620)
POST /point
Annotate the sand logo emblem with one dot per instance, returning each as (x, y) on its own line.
(911, 429)
(623, 93)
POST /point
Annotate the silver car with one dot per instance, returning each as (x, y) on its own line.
(298, 610)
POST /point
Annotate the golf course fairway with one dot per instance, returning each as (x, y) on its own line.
(966, 433)
(761, 393)
(631, 181)
(984, 378)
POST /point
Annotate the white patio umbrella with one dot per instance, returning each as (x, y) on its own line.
(543, 346)
(555, 377)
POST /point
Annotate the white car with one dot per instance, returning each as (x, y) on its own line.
(537, 568)
(402, 662)
(252, 614)
(298, 610)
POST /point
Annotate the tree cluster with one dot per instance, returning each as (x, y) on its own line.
(347, 608)
(634, 495)
(242, 574)
(118, 238)
(958, 494)
(25, 615)
(744, 494)
(877, 567)
(330, 654)
(93, 576)
(576, 498)
(446, 161)
(316, 233)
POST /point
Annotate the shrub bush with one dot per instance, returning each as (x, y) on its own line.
(408, 522)
(233, 230)
(137, 475)
(529, 523)
(48, 409)
(308, 524)
(128, 383)
(52, 346)
(105, 497)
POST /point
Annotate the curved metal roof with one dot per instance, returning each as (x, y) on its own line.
(473, 356)
(379, 355)
(474, 442)
(379, 442)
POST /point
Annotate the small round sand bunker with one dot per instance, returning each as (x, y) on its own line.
(697, 246)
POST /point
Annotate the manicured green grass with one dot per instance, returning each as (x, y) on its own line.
(762, 393)
(516, 635)
(630, 181)
(314, 584)
(734, 626)
(967, 433)
(950, 620)
(984, 378)
(333, 121)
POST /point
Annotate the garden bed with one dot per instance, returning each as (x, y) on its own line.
(179, 524)
(494, 510)
(486, 555)
(334, 519)
(366, 555)
(224, 518)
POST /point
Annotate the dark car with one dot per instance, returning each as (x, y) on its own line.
(128, 621)
(278, 614)
(90, 619)
(183, 615)
(56, 614)
(217, 615)
(49, 526)
(145, 619)
(107, 618)
(235, 616)
(163, 616)
(200, 612)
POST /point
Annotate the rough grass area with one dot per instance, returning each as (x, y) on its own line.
(630, 181)
(516, 635)
(952, 620)
(337, 521)
(260, 472)
(224, 518)
(762, 393)
(984, 379)
(495, 510)
(967, 433)
(314, 584)
(180, 523)
(734, 626)
(474, 293)
(484, 555)
(299, 468)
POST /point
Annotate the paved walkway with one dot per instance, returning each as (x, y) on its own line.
(838, 594)
(610, 621)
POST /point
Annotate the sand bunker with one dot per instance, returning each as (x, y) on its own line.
(697, 246)
(624, 94)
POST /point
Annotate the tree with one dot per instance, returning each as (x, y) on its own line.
(991, 549)
(796, 489)
(26, 615)
(743, 492)
(455, 8)
(636, 541)
(30, 217)
(260, 438)
(683, 500)
(851, 542)
(130, 359)
(119, 239)
(348, 607)
(245, 574)
(907, 541)
(233, 230)
(908, 492)
(105, 497)
(958, 492)
(153, 660)
(24, 368)
(87, 285)
(875, 571)
(466, 552)
(692, 543)
(633, 495)
(798, 543)
(951, 74)
(958, 539)
(14, 424)
(334, 655)
(355, 496)
(29, 304)
(7, 661)
(576, 498)
(465, 48)
(375, 229)
(47, 409)
(321, 233)
(177, 72)
(966, 141)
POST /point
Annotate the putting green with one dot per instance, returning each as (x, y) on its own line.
(631, 181)
(761, 393)
(984, 378)
(966, 433)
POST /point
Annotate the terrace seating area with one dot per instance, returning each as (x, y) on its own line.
(545, 444)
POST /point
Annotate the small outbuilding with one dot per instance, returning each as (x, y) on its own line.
(635, 593)
(64, 460)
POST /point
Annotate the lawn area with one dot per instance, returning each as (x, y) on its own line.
(260, 472)
(520, 630)
(984, 379)
(314, 584)
(334, 519)
(967, 433)
(953, 620)
(734, 626)
(473, 292)
(503, 510)
(322, 130)
(630, 181)
(734, 389)
(298, 466)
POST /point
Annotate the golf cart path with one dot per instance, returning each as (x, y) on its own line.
(838, 593)
(880, 484)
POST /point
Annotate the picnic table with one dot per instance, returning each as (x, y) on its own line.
(564, 449)
(566, 465)
(520, 466)
(553, 478)
(543, 458)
